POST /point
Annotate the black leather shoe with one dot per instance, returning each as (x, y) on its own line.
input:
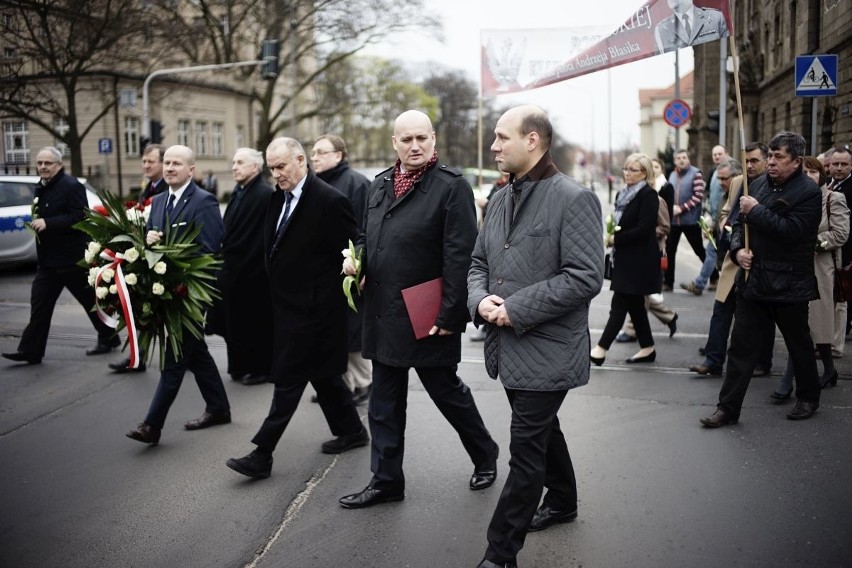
(830, 381)
(488, 564)
(717, 419)
(649, 358)
(673, 326)
(344, 443)
(124, 367)
(145, 433)
(207, 420)
(257, 465)
(369, 497)
(23, 358)
(704, 370)
(485, 475)
(803, 410)
(545, 516)
(597, 361)
(254, 379)
(105, 346)
(780, 397)
(362, 394)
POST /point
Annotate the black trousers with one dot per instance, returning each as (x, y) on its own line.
(334, 399)
(752, 323)
(387, 413)
(195, 357)
(46, 288)
(539, 459)
(620, 306)
(693, 236)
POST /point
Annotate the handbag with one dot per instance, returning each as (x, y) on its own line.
(664, 261)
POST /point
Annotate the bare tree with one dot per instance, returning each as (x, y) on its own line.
(60, 55)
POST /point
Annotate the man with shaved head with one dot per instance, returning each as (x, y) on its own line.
(537, 264)
(420, 226)
(182, 208)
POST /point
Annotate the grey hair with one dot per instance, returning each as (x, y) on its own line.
(254, 156)
(291, 144)
(57, 155)
(733, 165)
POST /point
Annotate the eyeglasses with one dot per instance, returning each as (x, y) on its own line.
(323, 152)
(632, 170)
(45, 163)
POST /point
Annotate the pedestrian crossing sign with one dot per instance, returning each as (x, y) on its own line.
(816, 75)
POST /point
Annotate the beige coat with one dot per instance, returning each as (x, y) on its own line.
(729, 269)
(821, 312)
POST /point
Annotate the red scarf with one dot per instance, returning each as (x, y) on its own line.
(402, 181)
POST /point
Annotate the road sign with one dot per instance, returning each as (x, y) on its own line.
(816, 75)
(677, 113)
(104, 145)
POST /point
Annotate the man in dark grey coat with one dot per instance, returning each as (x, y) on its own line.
(420, 225)
(536, 267)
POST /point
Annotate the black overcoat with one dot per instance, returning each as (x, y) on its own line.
(636, 267)
(243, 316)
(427, 233)
(61, 203)
(308, 305)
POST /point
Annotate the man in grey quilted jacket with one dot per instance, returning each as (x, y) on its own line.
(536, 266)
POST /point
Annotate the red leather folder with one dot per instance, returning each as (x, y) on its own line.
(423, 303)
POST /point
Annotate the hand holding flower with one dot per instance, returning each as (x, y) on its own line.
(153, 237)
(352, 270)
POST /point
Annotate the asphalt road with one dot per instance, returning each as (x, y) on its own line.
(656, 489)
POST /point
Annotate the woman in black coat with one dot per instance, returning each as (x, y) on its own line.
(635, 259)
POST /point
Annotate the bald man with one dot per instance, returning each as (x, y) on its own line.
(537, 264)
(420, 226)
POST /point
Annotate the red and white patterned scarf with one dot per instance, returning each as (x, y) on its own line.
(402, 181)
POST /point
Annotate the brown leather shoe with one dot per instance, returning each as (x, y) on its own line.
(704, 370)
(207, 420)
(719, 418)
(145, 433)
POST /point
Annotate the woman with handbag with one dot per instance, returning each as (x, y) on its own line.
(635, 260)
(833, 232)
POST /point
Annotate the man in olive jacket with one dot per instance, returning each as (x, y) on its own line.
(536, 267)
(782, 214)
(420, 225)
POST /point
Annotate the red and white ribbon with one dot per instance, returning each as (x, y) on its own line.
(116, 259)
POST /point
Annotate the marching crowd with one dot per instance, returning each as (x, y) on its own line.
(776, 234)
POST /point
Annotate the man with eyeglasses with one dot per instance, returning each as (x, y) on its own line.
(59, 203)
(329, 160)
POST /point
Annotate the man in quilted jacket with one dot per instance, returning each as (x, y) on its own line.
(536, 266)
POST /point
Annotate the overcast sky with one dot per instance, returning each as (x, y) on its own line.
(578, 107)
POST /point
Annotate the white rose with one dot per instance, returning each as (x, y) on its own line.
(88, 256)
(108, 274)
(93, 272)
(160, 267)
(101, 292)
(113, 289)
(157, 289)
(130, 279)
(131, 255)
(91, 280)
(146, 213)
(94, 247)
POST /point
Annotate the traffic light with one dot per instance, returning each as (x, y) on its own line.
(269, 55)
(156, 131)
(713, 121)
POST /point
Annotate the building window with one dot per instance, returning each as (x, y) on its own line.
(183, 133)
(16, 141)
(201, 138)
(60, 127)
(218, 139)
(8, 20)
(239, 137)
(131, 136)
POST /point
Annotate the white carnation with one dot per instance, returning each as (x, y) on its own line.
(94, 247)
(113, 289)
(88, 256)
(35, 201)
(101, 292)
(107, 274)
(157, 289)
(130, 279)
(160, 267)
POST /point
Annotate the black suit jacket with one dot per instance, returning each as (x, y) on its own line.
(153, 189)
(309, 308)
(195, 208)
(61, 203)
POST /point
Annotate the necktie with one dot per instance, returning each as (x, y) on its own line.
(169, 207)
(686, 26)
(288, 198)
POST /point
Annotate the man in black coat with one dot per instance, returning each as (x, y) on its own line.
(782, 214)
(840, 171)
(307, 224)
(329, 160)
(60, 202)
(242, 316)
(420, 225)
(183, 207)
